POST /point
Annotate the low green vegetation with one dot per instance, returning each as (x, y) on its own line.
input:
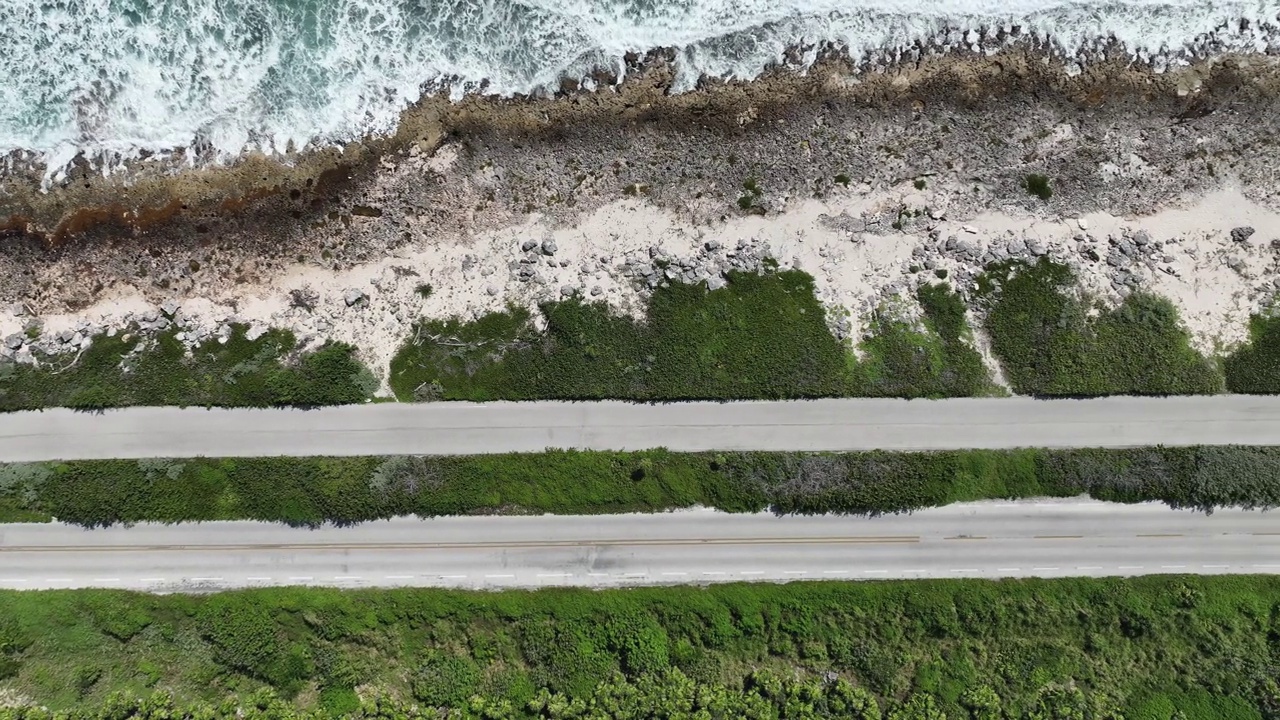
(1255, 367)
(935, 359)
(761, 336)
(1038, 185)
(133, 369)
(310, 491)
(1051, 342)
(1154, 648)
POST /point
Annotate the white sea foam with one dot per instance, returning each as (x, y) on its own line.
(113, 78)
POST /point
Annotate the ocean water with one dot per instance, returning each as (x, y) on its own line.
(111, 78)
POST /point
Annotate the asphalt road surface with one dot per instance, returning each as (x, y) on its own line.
(462, 428)
(982, 540)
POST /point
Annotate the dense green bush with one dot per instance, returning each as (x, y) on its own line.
(935, 361)
(445, 679)
(1049, 344)
(1142, 648)
(310, 491)
(761, 336)
(1255, 367)
(130, 369)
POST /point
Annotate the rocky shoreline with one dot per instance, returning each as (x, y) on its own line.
(872, 182)
(174, 194)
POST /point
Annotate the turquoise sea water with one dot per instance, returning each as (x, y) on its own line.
(110, 78)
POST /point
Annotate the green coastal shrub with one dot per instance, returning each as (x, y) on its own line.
(1149, 647)
(762, 336)
(1255, 367)
(1051, 343)
(130, 369)
(935, 360)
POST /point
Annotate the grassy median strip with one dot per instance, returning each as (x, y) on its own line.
(308, 491)
(1155, 648)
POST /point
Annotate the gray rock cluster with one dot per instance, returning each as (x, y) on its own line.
(28, 346)
(656, 267)
(1128, 260)
(525, 269)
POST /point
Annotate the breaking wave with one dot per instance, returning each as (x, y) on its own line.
(117, 78)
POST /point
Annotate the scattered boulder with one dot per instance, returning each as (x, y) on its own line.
(170, 308)
(15, 341)
(567, 290)
(1241, 234)
(549, 247)
(1141, 238)
(493, 290)
(354, 297)
(528, 245)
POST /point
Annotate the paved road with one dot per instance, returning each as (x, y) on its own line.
(987, 540)
(459, 428)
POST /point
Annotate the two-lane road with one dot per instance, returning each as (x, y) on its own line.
(984, 540)
(464, 428)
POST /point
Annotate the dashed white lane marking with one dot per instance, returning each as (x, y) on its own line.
(675, 574)
(795, 572)
(965, 570)
(1129, 567)
(1044, 569)
(259, 579)
(836, 572)
(1008, 570)
(498, 577)
(752, 572)
(346, 577)
(397, 577)
(1268, 567)
(1088, 567)
(442, 577)
(597, 574)
(13, 580)
(1214, 567)
(714, 573)
(1173, 567)
(554, 575)
(206, 579)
